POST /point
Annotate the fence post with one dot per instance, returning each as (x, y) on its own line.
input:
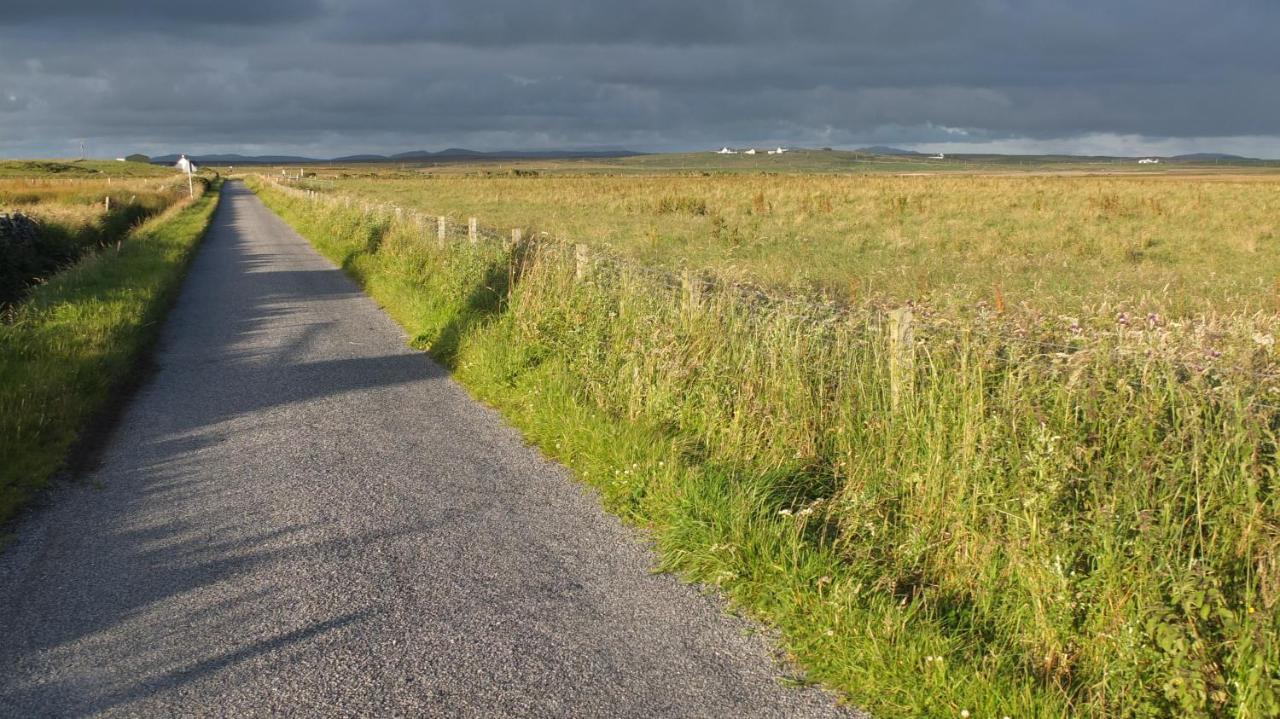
(692, 286)
(516, 235)
(902, 355)
(108, 203)
(442, 228)
(581, 261)
(473, 232)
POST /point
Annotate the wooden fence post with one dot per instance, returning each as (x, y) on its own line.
(516, 235)
(442, 228)
(692, 286)
(473, 231)
(902, 355)
(581, 261)
(108, 203)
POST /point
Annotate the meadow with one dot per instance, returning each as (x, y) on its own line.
(70, 340)
(1049, 489)
(73, 217)
(1175, 245)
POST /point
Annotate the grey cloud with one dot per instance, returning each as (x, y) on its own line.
(77, 14)
(336, 76)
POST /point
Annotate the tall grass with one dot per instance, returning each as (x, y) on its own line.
(1056, 517)
(1173, 245)
(70, 344)
(72, 218)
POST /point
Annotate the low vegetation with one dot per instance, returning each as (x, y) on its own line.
(70, 219)
(70, 343)
(49, 171)
(1173, 245)
(1005, 511)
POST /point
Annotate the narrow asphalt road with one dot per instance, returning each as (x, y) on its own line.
(298, 515)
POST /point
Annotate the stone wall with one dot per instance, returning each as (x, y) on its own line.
(21, 261)
(16, 229)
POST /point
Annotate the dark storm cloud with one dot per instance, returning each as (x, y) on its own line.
(168, 14)
(328, 76)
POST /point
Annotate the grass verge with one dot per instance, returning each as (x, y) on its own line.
(1087, 531)
(72, 342)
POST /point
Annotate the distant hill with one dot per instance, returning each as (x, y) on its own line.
(885, 150)
(1209, 157)
(452, 153)
(232, 159)
(357, 158)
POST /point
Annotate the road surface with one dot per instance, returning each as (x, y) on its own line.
(299, 515)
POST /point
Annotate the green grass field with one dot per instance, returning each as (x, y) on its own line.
(68, 345)
(1063, 245)
(48, 170)
(1019, 513)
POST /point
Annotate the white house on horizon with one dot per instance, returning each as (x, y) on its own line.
(1149, 161)
(725, 151)
(938, 156)
(752, 151)
(778, 151)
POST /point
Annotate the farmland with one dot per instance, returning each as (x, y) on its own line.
(1171, 244)
(1056, 498)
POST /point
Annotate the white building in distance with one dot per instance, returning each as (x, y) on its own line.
(725, 151)
(1149, 161)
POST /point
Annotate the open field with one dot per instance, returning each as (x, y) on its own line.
(80, 169)
(68, 344)
(1165, 243)
(1062, 509)
(72, 217)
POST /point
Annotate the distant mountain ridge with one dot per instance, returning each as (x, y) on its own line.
(1205, 156)
(886, 150)
(452, 153)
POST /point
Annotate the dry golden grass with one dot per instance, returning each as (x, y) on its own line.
(1176, 245)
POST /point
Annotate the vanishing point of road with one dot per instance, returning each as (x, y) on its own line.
(298, 515)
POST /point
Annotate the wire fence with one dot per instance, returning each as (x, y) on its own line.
(923, 326)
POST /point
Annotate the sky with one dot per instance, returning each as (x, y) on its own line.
(330, 77)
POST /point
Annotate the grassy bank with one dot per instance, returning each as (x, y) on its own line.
(1006, 516)
(75, 338)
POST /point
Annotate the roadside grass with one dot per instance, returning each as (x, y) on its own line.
(76, 338)
(1049, 521)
